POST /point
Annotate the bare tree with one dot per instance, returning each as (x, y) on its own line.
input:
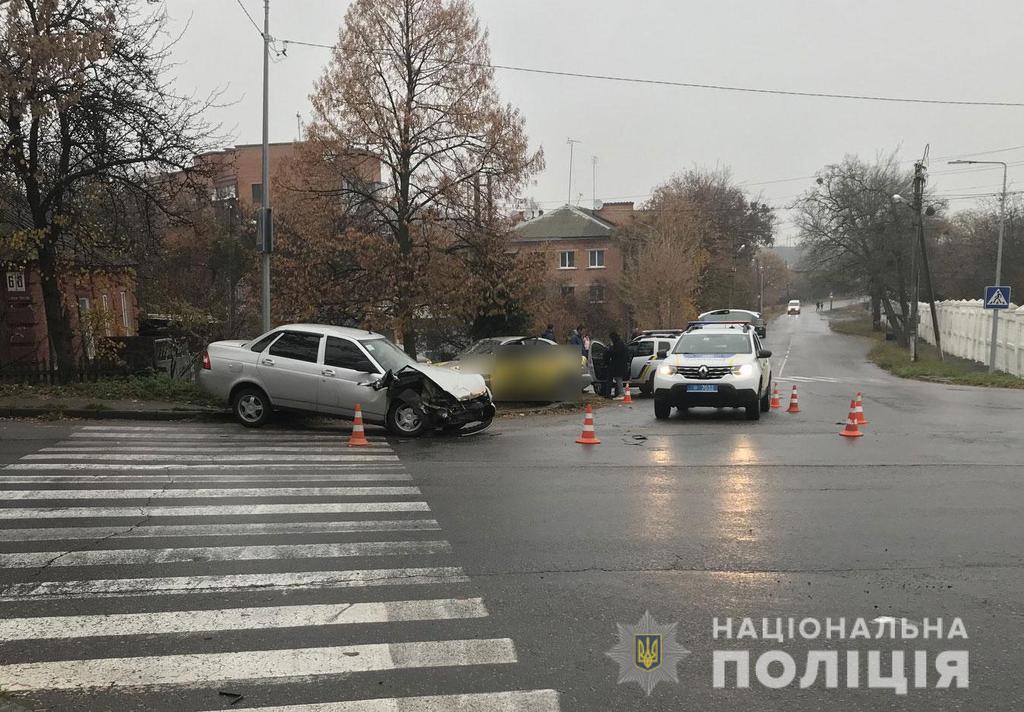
(410, 83)
(87, 112)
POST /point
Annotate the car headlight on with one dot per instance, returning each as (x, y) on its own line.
(666, 369)
(744, 369)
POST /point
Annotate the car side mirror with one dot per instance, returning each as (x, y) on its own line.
(662, 354)
(764, 353)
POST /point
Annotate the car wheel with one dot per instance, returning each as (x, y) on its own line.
(404, 420)
(662, 410)
(251, 407)
(766, 399)
(753, 410)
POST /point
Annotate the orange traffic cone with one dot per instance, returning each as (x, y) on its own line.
(358, 436)
(851, 430)
(588, 437)
(858, 411)
(794, 402)
(776, 403)
(628, 400)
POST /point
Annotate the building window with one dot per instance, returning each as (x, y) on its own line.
(224, 192)
(597, 294)
(568, 290)
(567, 259)
(597, 259)
(15, 281)
(257, 193)
(107, 316)
(124, 310)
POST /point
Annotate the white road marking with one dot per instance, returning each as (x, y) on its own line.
(214, 509)
(182, 493)
(204, 448)
(513, 701)
(213, 530)
(785, 358)
(165, 467)
(209, 668)
(239, 619)
(49, 590)
(340, 437)
(200, 554)
(283, 479)
(213, 459)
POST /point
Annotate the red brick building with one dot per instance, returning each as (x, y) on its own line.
(99, 303)
(583, 263)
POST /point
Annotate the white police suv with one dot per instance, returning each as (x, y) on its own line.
(715, 364)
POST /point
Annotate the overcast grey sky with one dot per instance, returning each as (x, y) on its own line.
(642, 134)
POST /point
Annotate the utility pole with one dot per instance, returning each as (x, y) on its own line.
(919, 180)
(265, 223)
(593, 160)
(572, 145)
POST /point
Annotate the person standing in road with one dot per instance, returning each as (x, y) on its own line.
(549, 333)
(618, 365)
(576, 337)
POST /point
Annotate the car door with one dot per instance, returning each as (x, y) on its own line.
(345, 376)
(764, 363)
(289, 370)
(639, 353)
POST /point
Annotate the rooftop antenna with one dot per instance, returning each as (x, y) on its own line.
(298, 126)
(572, 145)
(593, 161)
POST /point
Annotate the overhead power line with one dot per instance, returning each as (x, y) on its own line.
(252, 21)
(715, 87)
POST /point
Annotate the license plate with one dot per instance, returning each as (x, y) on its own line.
(701, 388)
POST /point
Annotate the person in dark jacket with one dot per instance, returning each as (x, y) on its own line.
(549, 333)
(618, 365)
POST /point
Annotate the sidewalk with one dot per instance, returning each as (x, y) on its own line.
(103, 409)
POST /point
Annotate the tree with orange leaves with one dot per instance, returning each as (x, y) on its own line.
(410, 83)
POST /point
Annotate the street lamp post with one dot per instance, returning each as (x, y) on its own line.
(999, 257)
(266, 227)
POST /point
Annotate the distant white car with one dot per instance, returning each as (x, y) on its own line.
(793, 307)
(326, 369)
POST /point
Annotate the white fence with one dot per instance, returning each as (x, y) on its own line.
(966, 329)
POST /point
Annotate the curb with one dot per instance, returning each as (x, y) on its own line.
(111, 414)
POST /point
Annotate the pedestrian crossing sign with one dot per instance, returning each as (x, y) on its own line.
(997, 297)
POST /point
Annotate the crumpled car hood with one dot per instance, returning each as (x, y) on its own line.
(463, 386)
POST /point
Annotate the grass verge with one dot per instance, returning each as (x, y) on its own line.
(152, 388)
(896, 360)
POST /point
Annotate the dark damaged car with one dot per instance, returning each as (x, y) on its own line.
(323, 369)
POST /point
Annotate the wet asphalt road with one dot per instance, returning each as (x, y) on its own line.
(692, 518)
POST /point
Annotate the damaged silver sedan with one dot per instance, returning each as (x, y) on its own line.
(324, 369)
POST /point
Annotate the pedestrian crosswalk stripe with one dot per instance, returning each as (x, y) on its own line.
(261, 618)
(214, 509)
(199, 554)
(165, 482)
(199, 449)
(216, 459)
(223, 437)
(290, 581)
(213, 530)
(255, 664)
(187, 493)
(514, 701)
(175, 466)
(284, 480)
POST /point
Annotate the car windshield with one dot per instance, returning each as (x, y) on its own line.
(712, 342)
(480, 348)
(728, 316)
(389, 356)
